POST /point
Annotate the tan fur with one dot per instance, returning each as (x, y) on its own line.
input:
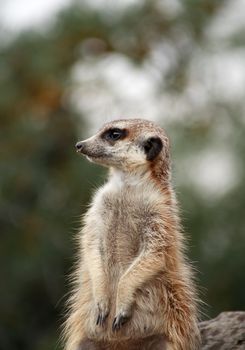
(131, 255)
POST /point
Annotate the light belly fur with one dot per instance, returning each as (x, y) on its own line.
(120, 244)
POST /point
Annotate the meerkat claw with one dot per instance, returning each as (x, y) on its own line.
(118, 322)
(101, 319)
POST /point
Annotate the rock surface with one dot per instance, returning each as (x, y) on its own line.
(225, 332)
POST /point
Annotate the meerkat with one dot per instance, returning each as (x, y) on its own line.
(133, 287)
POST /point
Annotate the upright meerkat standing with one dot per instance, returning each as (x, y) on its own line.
(133, 286)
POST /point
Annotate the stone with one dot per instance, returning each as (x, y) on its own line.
(225, 332)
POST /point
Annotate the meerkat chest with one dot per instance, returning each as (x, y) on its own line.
(123, 228)
(124, 212)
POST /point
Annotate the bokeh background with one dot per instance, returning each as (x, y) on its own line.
(66, 67)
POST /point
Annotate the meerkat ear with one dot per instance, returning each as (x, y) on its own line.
(152, 147)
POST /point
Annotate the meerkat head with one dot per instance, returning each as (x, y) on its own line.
(127, 145)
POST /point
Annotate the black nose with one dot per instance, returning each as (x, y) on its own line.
(79, 146)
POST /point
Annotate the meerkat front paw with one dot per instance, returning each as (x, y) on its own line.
(119, 321)
(123, 306)
(102, 311)
(123, 315)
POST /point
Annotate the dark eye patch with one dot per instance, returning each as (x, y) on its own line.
(114, 134)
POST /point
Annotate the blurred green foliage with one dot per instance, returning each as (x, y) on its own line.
(45, 187)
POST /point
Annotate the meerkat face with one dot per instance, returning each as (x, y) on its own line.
(126, 144)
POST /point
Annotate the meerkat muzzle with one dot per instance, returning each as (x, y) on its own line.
(80, 146)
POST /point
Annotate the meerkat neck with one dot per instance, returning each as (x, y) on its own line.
(131, 178)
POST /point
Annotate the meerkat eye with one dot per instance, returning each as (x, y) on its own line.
(114, 134)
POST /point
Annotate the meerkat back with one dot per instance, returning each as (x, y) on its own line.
(133, 287)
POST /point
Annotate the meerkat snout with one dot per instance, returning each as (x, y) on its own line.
(79, 146)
